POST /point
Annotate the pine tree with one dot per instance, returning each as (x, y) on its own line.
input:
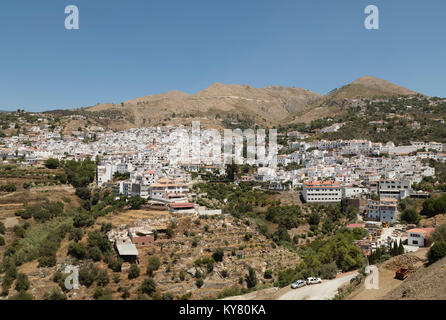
(401, 248)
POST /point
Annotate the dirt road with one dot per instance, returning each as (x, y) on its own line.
(323, 291)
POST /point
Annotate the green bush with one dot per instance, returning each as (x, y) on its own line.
(410, 216)
(251, 278)
(437, 251)
(77, 250)
(87, 275)
(268, 274)
(218, 255)
(22, 282)
(94, 253)
(328, 271)
(148, 286)
(199, 282)
(133, 271)
(8, 188)
(102, 278)
(55, 294)
(52, 163)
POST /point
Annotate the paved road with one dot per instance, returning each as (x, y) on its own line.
(322, 291)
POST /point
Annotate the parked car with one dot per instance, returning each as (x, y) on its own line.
(298, 284)
(312, 280)
(356, 279)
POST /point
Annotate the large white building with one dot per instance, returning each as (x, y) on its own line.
(398, 189)
(322, 191)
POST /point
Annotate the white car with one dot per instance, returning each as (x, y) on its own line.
(298, 284)
(312, 280)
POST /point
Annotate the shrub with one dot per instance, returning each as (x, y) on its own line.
(218, 255)
(96, 239)
(154, 264)
(22, 296)
(94, 253)
(410, 216)
(115, 264)
(87, 275)
(2, 241)
(8, 188)
(76, 234)
(55, 295)
(52, 163)
(251, 278)
(133, 271)
(148, 286)
(437, 251)
(199, 282)
(77, 250)
(19, 231)
(47, 261)
(268, 274)
(102, 279)
(329, 271)
(26, 185)
(22, 282)
(439, 234)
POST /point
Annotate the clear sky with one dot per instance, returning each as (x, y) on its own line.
(133, 48)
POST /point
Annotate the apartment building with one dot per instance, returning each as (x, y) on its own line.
(384, 210)
(398, 189)
(322, 191)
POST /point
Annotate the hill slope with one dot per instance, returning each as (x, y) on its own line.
(221, 104)
(333, 103)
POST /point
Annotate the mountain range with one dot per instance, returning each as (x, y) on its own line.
(268, 106)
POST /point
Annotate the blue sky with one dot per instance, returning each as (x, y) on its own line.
(127, 49)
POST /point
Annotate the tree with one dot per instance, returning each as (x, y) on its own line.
(314, 219)
(437, 251)
(94, 253)
(439, 234)
(199, 282)
(410, 216)
(102, 278)
(329, 271)
(96, 239)
(251, 278)
(136, 202)
(52, 163)
(77, 250)
(87, 276)
(133, 271)
(84, 193)
(218, 255)
(22, 282)
(153, 265)
(148, 286)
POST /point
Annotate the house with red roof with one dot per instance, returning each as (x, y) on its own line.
(419, 237)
